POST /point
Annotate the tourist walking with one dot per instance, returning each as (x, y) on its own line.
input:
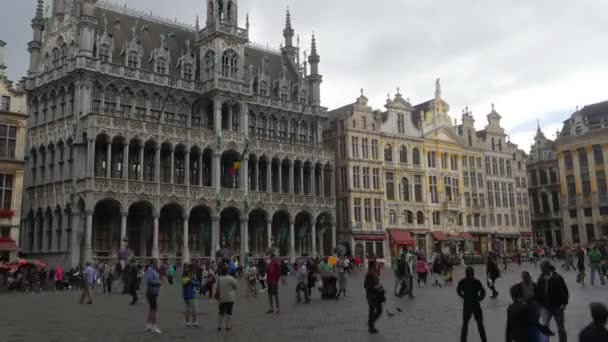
(596, 331)
(262, 274)
(421, 270)
(152, 279)
(400, 274)
(492, 273)
(302, 284)
(375, 296)
(522, 318)
(89, 282)
(580, 265)
(595, 261)
(410, 260)
(226, 296)
(437, 270)
(552, 295)
(342, 268)
(189, 286)
(170, 273)
(273, 274)
(131, 274)
(472, 292)
(59, 278)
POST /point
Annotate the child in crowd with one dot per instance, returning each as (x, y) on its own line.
(189, 285)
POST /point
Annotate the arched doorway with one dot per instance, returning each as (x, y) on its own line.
(140, 229)
(258, 232)
(199, 232)
(303, 234)
(230, 232)
(324, 233)
(170, 231)
(280, 232)
(106, 228)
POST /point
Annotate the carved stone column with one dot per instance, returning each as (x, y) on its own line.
(280, 176)
(200, 169)
(155, 251)
(140, 176)
(187, 165)
(125, 162)
(109, 161)
(90, 172)
(301, 190)
(215, 235)
(172, 172)
(244, 174)
(88, 240)
(314, 240)
(216, 170)
(268, 175)
(123, 228)
(186, 247)
(244, 238)
(157, 164)
(292, 243)
(269, 232)
(291, 187)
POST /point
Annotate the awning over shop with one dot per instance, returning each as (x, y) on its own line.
(369, 237)
(8, 244)
(466, 236)
(401, 237)
(439, 236)
(526, 234)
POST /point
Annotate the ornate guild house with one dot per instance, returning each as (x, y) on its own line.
(171, 140)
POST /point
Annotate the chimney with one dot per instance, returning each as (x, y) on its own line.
(2, 64)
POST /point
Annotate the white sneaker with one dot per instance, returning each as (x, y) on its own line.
(148, 327)
(195, 325)
(188, 325)
(156, 330)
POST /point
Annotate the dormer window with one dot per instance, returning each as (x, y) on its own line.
(188, 71)
(55, 57)
(284, 93)
(578, 130)
(161, 66)
(104, 53)
(132, 60)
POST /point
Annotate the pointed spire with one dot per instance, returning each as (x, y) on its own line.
(197, 26)
(437, 89)
(40, 9)
(288, 20)
(313, 46)
(247, 22)
(398, 91)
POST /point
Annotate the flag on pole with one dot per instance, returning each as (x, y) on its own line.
(237, 164)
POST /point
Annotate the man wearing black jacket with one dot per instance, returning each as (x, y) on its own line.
(471, 290)
(552, 295)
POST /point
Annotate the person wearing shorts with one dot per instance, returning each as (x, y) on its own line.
(152, 279)
(226, 296)
(189, 286)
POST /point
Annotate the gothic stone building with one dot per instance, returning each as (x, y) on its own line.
(137, 125)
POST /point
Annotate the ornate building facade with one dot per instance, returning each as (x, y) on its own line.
(582, 158)
(172, 140)
(543, 183)
(410, 177)
(13, 122)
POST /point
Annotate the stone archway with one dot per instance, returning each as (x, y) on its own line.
(171, 230)
(258, 232)
(106, 228)
(199, 232)
(140, 226)
(303, 234)
(325, 234)
(280, 232)
(230, 232)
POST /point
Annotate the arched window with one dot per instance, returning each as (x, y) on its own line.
(161, 66)
(252, 123)
(283, 129)
(63, 54)
(264, 88)
(188, 73)
(420, 218)
(97, 97)
(133, 59)
(261, 128)
(209, 64)
(295, 95)
(272, 127)
(141, 105)
(303, 131)
(55, 57)
(392, 217)
(403, 155)
(493, 145)
(410, 217)
(500, 145)
(230, 62)
(416, 156)
(284, 93)
(363, 123)
(470, 137)
(388, 153)
(405, 189)
(104, 53)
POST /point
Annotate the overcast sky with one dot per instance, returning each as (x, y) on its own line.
(533, 59)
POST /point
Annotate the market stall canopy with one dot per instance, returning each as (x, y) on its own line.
(401, 237)
(439, 236)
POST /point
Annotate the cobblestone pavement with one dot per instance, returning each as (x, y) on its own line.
(434, 315)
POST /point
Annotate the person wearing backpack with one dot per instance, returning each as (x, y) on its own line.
(170, 274)
(400, 275)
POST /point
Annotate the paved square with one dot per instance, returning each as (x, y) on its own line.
(434, 315)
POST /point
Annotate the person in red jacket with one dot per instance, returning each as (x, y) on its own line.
(273, 275)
